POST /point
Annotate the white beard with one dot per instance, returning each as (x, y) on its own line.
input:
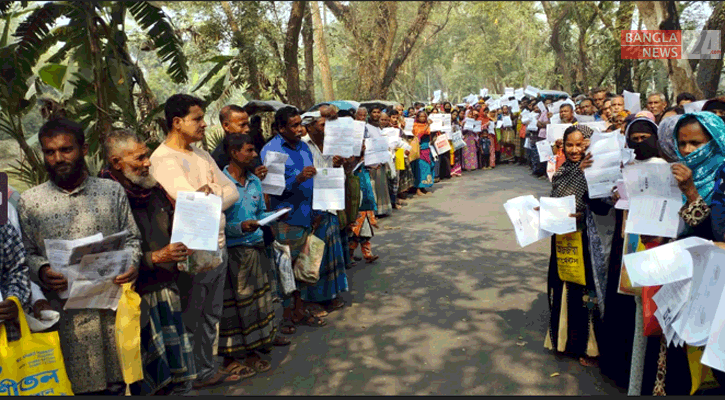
(146, 182)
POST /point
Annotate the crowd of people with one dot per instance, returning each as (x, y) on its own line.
(211, 317)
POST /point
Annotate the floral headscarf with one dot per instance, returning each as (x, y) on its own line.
(706, 160)
(666, 137)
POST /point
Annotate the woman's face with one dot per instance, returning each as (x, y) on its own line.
(575, 147)
(422, 118)
(639, 137)
(619, 121)
(691, 137)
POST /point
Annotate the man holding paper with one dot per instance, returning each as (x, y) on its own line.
(326, 225)
(248, 319)
(180, 167)
(127, 162)
(73, 205)
(297, 195)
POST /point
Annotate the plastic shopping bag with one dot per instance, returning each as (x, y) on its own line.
(570, 258)
(307, 264)
(283, 263)
(32, 365)
(128, 334)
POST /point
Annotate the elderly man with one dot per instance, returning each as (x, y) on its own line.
(180, 167)
(656, 104)
(361, 114)
(333, 279)
(617, 104)
(297, 195)
(74, 205)
(14, 280)
(167, 358)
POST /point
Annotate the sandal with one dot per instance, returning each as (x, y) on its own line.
(259, 365)
(356, 258)
(311, 320)
(371, 259)
(281, 341)
(240, 370)
(218, 379)
(588, 362)
(335, 304)
(288, 328)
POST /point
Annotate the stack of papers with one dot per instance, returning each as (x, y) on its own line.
(555, 213)
(274, 183)
(376, 150)
(525, 219)
(78, 261)
(606, 170)
(654, 200)
(690, 304)
(197, 217)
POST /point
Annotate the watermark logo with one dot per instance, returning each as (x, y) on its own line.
(670, 44)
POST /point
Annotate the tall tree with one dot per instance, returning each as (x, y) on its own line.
(291, 47)
(308, 95)
(556, 16)
(328, 93)
(374, 28)
(709, 71)
(663, 15)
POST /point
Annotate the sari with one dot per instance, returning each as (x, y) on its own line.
(423, 165)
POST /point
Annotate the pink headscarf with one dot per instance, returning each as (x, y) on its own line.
(645, 114)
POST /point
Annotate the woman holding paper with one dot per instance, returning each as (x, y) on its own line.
(423, 165)
(575, 300)
(470, 152)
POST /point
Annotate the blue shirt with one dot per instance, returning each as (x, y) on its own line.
(297, 196)
(250, 206)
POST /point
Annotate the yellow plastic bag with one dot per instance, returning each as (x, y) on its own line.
(702, 377)
(570, 258)
(128, 334)
(32, 365)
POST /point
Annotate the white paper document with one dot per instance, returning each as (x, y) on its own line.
(545, 151)
(623, 202)
(328, 192)
(597, 126)
(531, 91)
(408, 130)
(437, 96)
(631, 102)
(663, 264)
(525, 219)
(654, 200)
(196, 220)
(94, 287)
(541, 106)
(376, 150)
(554, 216)
(273, 217)
(483, 92)
(274, 183)
(457, 139)
(358, 134)
(555, 131)
(508, 92)
(695, 106)
(339, 140)
(436, 122)
(506, 121)
(605, 170)
(714, 355)
(441, 144)
(519, 93)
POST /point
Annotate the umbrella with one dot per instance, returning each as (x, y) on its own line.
(380, 103)
(343, 105)
(254, 106)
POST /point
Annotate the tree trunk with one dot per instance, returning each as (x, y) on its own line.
(659, 13)
(247, 57)
(623, 67)
(291, 46)
(309, 44)
(708, 71)
(328, 93)
(555, 18)
(103, 121)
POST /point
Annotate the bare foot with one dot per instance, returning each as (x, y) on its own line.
(588, 361)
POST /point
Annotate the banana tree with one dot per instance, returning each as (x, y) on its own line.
(92, 67)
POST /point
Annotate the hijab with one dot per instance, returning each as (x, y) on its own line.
(648, 148)
(569, 178)
(705, 162)
(666, 137)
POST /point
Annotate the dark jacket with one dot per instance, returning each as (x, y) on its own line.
(154, 220)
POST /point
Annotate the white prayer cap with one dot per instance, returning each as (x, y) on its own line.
(310, 117)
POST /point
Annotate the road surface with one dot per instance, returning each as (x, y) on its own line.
(452, 307)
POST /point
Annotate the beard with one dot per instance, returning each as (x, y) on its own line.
(146, 182)
(65, 179)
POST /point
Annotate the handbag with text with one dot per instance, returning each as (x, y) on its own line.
(32, 365)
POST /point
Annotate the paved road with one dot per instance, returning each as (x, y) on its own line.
(453, 307)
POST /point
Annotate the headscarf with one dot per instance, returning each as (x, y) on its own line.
(647, 148)
(666, 137)
(569, 178)
(645, 114)
(706, 160)
(420, 129)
